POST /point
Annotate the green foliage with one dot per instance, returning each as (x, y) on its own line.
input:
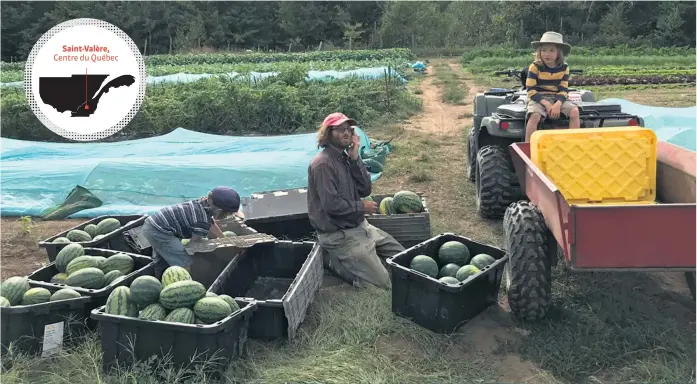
(623, 50)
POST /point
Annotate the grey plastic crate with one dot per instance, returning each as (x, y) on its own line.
(281, 213)
(408, 229)
(293, 270)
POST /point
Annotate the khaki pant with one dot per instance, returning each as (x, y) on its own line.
(565, 109)
(354, 254)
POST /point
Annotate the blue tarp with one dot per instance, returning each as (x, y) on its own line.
(673, 125)
(362, 73)
(140, 176)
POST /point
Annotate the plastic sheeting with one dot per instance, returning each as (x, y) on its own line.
(141, 176)
(361, 73)
(673, 125)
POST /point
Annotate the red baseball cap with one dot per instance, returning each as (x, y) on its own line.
(337, 118)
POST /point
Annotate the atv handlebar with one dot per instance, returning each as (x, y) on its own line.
(517, 72)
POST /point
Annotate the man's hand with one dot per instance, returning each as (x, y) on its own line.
(556, 110)
(370, 206)
(353, 150)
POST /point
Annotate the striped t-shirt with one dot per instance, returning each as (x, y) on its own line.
(543, 81)
(183, 220)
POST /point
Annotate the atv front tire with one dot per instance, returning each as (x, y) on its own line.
(495, 182)
(528, 274)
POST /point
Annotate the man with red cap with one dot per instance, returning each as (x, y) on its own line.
(193, 220)
(337, 180)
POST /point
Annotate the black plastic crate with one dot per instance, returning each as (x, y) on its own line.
(281, 213)
(438, 306)
(125, 339)
(114, 240)
(282, 278)
(143, 266)
(24, 326)
(408, 229)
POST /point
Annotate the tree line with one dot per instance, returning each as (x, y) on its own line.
(174, 27)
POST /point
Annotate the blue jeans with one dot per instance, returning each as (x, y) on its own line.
(167, 249)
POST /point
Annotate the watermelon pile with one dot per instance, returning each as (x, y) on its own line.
(453, 263)
(15, 291)
(400, 203)
(90, 232)
(91, 272)
(176, 298)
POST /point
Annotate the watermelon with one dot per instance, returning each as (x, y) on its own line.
(425, 265)
(91, 230)
(407, 202)
(182, 294)
(198, 321)
(229, 234)
(36, 296)
(100, 261)
(153, 312)
(61, 240)
(212, 309)
(108, 225)
(78, 235)
(90, 278)
(145, 290)
(59, 278)
(119, 302)
(448, 270)
(453, 252)
(449, 280)
(174, 274)
(81, 262)
(14, 288)
(373, 166)
(386, 206)
(210, 294)
(185, 241)
(98, 237)
(132, 309)
(119, 262)
(482, 260)
(67, 254)
(231, 302)
(4, 302)
(466, 271)
(111, 276)
(181, 315)
(64, 294)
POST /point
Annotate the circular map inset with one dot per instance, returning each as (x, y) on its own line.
(85, 79)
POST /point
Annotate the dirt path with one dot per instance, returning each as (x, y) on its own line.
(487, 335)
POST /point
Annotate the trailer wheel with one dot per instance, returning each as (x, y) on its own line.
(528, 273)
(690, 277)
(471, 156)
(495, 182)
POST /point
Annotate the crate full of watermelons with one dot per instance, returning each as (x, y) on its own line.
(34, 321)
(403, 215)
(91, 272)
(281, 277)
(105, 232)
(151, 317)
(445, 281)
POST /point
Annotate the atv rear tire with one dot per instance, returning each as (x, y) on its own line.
(495, 182)
(471, 156)
(528, 274)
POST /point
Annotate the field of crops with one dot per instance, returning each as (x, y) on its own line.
(280, 104)
(601, 66)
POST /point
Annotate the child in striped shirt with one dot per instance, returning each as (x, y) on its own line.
(548, 84)
(193, 220)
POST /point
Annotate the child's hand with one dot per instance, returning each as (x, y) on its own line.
(556, 110)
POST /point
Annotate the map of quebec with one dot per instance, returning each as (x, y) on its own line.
(78, 93)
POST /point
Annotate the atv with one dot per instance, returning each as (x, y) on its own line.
(500, 117)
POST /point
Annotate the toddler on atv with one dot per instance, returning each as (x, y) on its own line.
(547, 84)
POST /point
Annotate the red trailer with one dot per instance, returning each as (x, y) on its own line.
(605, 237)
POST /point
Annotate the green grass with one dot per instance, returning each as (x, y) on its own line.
(454, 91)
(491, 64)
